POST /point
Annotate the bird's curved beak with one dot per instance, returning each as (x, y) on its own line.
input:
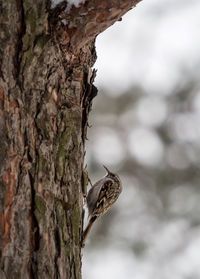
(106, 169)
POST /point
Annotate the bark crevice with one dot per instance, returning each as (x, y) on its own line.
(19, 45)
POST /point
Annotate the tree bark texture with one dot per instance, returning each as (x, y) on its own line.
(46, 93)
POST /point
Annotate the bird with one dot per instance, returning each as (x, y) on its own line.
(100, 198)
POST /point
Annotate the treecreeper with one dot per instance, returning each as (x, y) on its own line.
(100, 198)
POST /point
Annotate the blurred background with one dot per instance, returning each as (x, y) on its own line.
(145, 126)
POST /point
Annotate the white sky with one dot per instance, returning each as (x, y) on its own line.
(149, 46)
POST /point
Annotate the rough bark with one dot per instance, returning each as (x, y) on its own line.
(46, 93)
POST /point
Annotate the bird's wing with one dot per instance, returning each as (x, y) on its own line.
(96, 193)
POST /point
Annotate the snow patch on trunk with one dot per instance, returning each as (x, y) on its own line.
(70, 3)
(54, 3)
(76, 3)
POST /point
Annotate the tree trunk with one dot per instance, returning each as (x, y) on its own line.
(46, 92)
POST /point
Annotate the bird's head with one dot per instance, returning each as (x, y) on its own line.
(112, 175)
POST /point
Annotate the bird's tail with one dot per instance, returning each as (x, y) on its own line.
(87, 230)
